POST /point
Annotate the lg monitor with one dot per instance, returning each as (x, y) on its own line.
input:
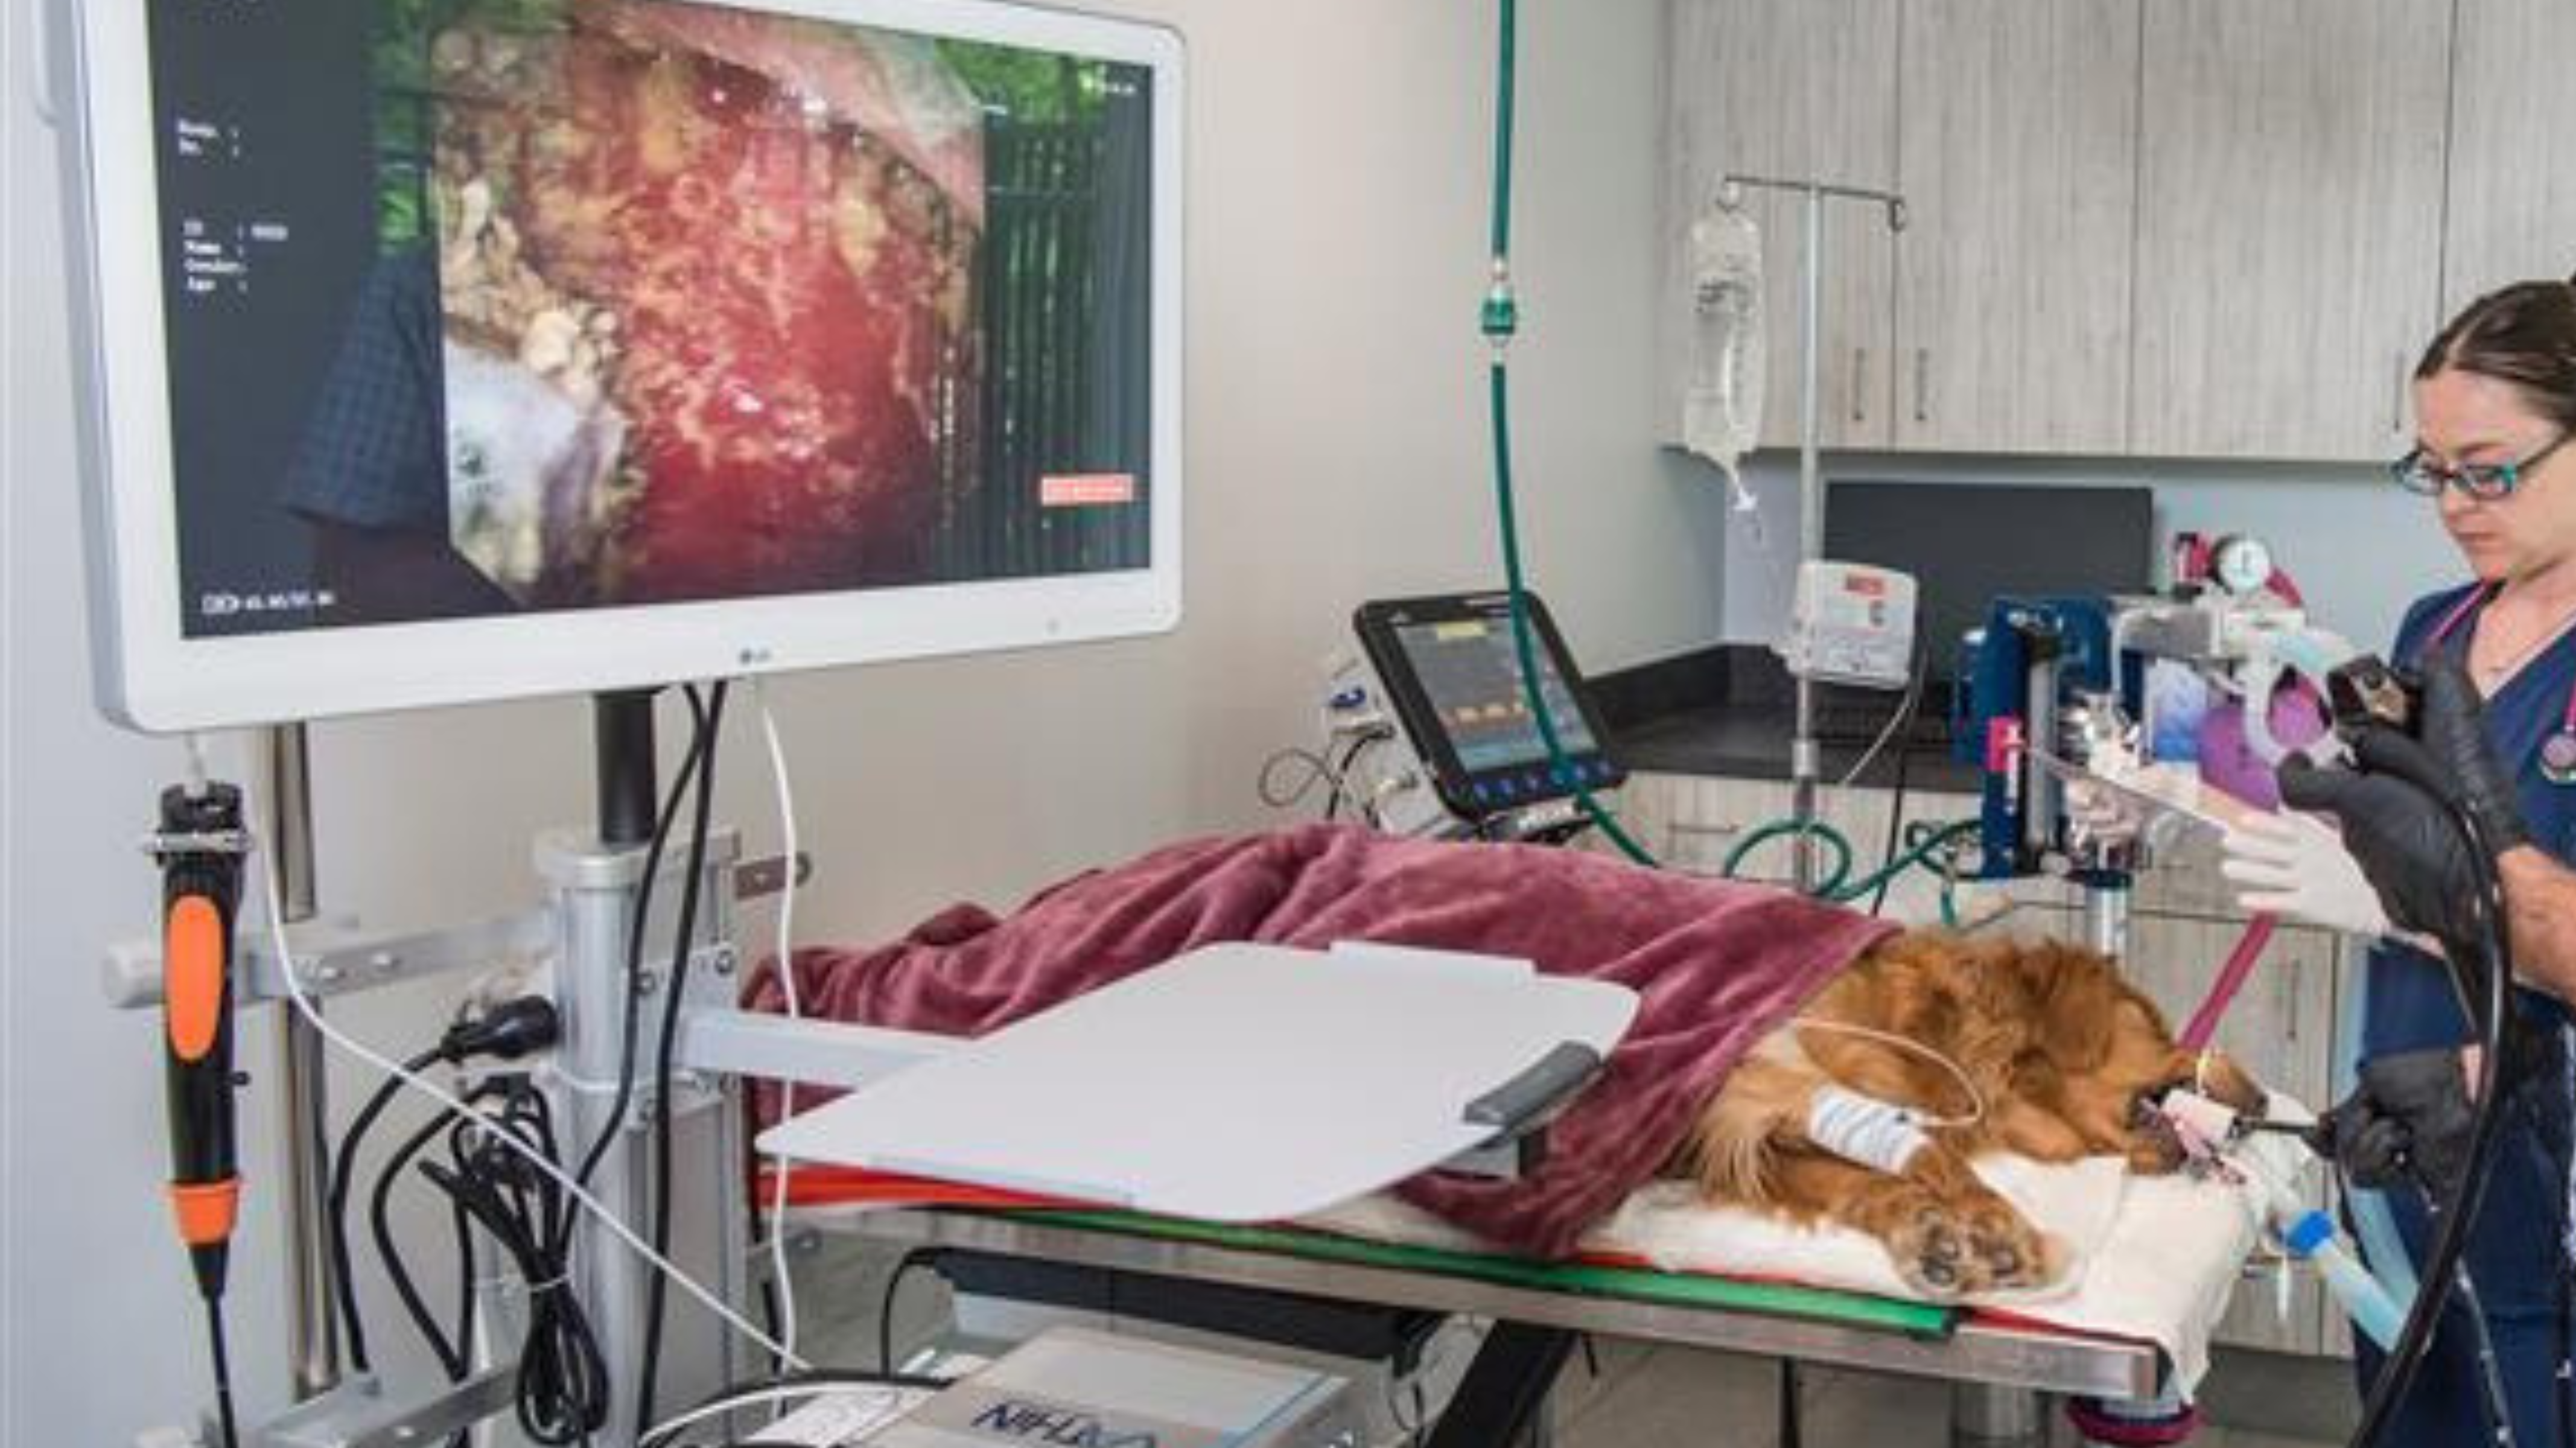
(436, 351)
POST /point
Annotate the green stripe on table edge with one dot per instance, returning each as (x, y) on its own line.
(1679, 1289)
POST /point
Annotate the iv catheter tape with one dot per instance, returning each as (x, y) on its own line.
(458, 1110)
(1864, 1130)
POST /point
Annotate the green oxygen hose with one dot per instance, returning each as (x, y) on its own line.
(1500, 321)
(1837, 886)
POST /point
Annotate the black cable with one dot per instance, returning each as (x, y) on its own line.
(2566, 1358)
(1895, 824)
(221, 1356)
(2468, 1195)
(1908, 711)
(344, 1282)
(562, 1387)
(656, 1292)
(631, 1028)
(2499, 1417)
(462, 1223)
(451, 1356)
(917, 1257)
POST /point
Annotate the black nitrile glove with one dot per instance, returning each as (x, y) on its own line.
(2409, 1119)
(2401, 835)
(2402, 838)
(2450, 750)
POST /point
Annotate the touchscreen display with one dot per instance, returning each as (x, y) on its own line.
(1469, 670)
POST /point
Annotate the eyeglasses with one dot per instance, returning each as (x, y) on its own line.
(2485, 482)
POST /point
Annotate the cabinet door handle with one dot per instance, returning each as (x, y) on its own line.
(1922, 384)
(1860, 384)
(2397, 398)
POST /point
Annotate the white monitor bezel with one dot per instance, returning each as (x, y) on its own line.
(149, 676)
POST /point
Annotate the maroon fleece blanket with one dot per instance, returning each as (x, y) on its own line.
(1716, 965)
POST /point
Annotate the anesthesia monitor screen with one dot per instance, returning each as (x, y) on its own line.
(479, 307)
(1469, 671)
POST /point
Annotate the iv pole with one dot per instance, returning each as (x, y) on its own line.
(1804, 763)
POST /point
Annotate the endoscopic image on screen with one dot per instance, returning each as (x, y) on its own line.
(672, 301)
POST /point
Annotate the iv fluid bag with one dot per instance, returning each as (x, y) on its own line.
(1722, 398)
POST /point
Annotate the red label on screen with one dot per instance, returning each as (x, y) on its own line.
(1087, 490)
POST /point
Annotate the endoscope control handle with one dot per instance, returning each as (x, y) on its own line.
(1528, 1098)
(201, 888)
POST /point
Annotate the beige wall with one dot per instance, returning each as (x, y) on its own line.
(1336, 228)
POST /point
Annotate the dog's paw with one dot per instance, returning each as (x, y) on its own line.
(1946, 1251)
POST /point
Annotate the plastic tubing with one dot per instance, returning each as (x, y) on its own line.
(2373, 1222)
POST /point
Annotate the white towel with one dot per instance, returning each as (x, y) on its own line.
(2155, 1258)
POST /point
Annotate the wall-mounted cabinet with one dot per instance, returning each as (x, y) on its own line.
(2289, 224)
(2512, 201)
(1804, 90)
(2017, 143)
(2154, 228)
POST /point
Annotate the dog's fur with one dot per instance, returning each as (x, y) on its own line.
(2063, 1051)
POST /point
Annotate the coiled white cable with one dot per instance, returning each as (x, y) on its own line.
(454, 1108)
(780, 1166)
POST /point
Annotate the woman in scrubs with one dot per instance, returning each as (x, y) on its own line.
(2495, 406)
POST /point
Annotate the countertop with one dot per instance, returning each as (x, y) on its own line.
(1729, 711)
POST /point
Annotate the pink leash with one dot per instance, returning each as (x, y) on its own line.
(2231, 979)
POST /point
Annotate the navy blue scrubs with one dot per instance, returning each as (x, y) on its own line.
(2518, 1249)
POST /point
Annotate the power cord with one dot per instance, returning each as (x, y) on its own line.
(447, 1102)
(631, 1029)
(510, 1031)
(450, 1351)
(666, 1051)
(562, 1389)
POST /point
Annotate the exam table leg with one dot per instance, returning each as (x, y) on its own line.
(1503, 1399)
(1983, 1415)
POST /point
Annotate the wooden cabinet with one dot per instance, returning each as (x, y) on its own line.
(2289, 224)
(2017, 140)
(1796, 91)
(2151, 228)
(2511, 208)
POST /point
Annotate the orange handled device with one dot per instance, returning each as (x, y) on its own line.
(200, 848)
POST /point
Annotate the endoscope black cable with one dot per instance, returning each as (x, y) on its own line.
(710, 729)
(221, 1356)
(2490, 1011)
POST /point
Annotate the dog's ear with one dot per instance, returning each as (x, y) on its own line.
(2075, 998)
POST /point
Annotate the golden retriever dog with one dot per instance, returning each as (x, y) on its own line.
(2066, 1059)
